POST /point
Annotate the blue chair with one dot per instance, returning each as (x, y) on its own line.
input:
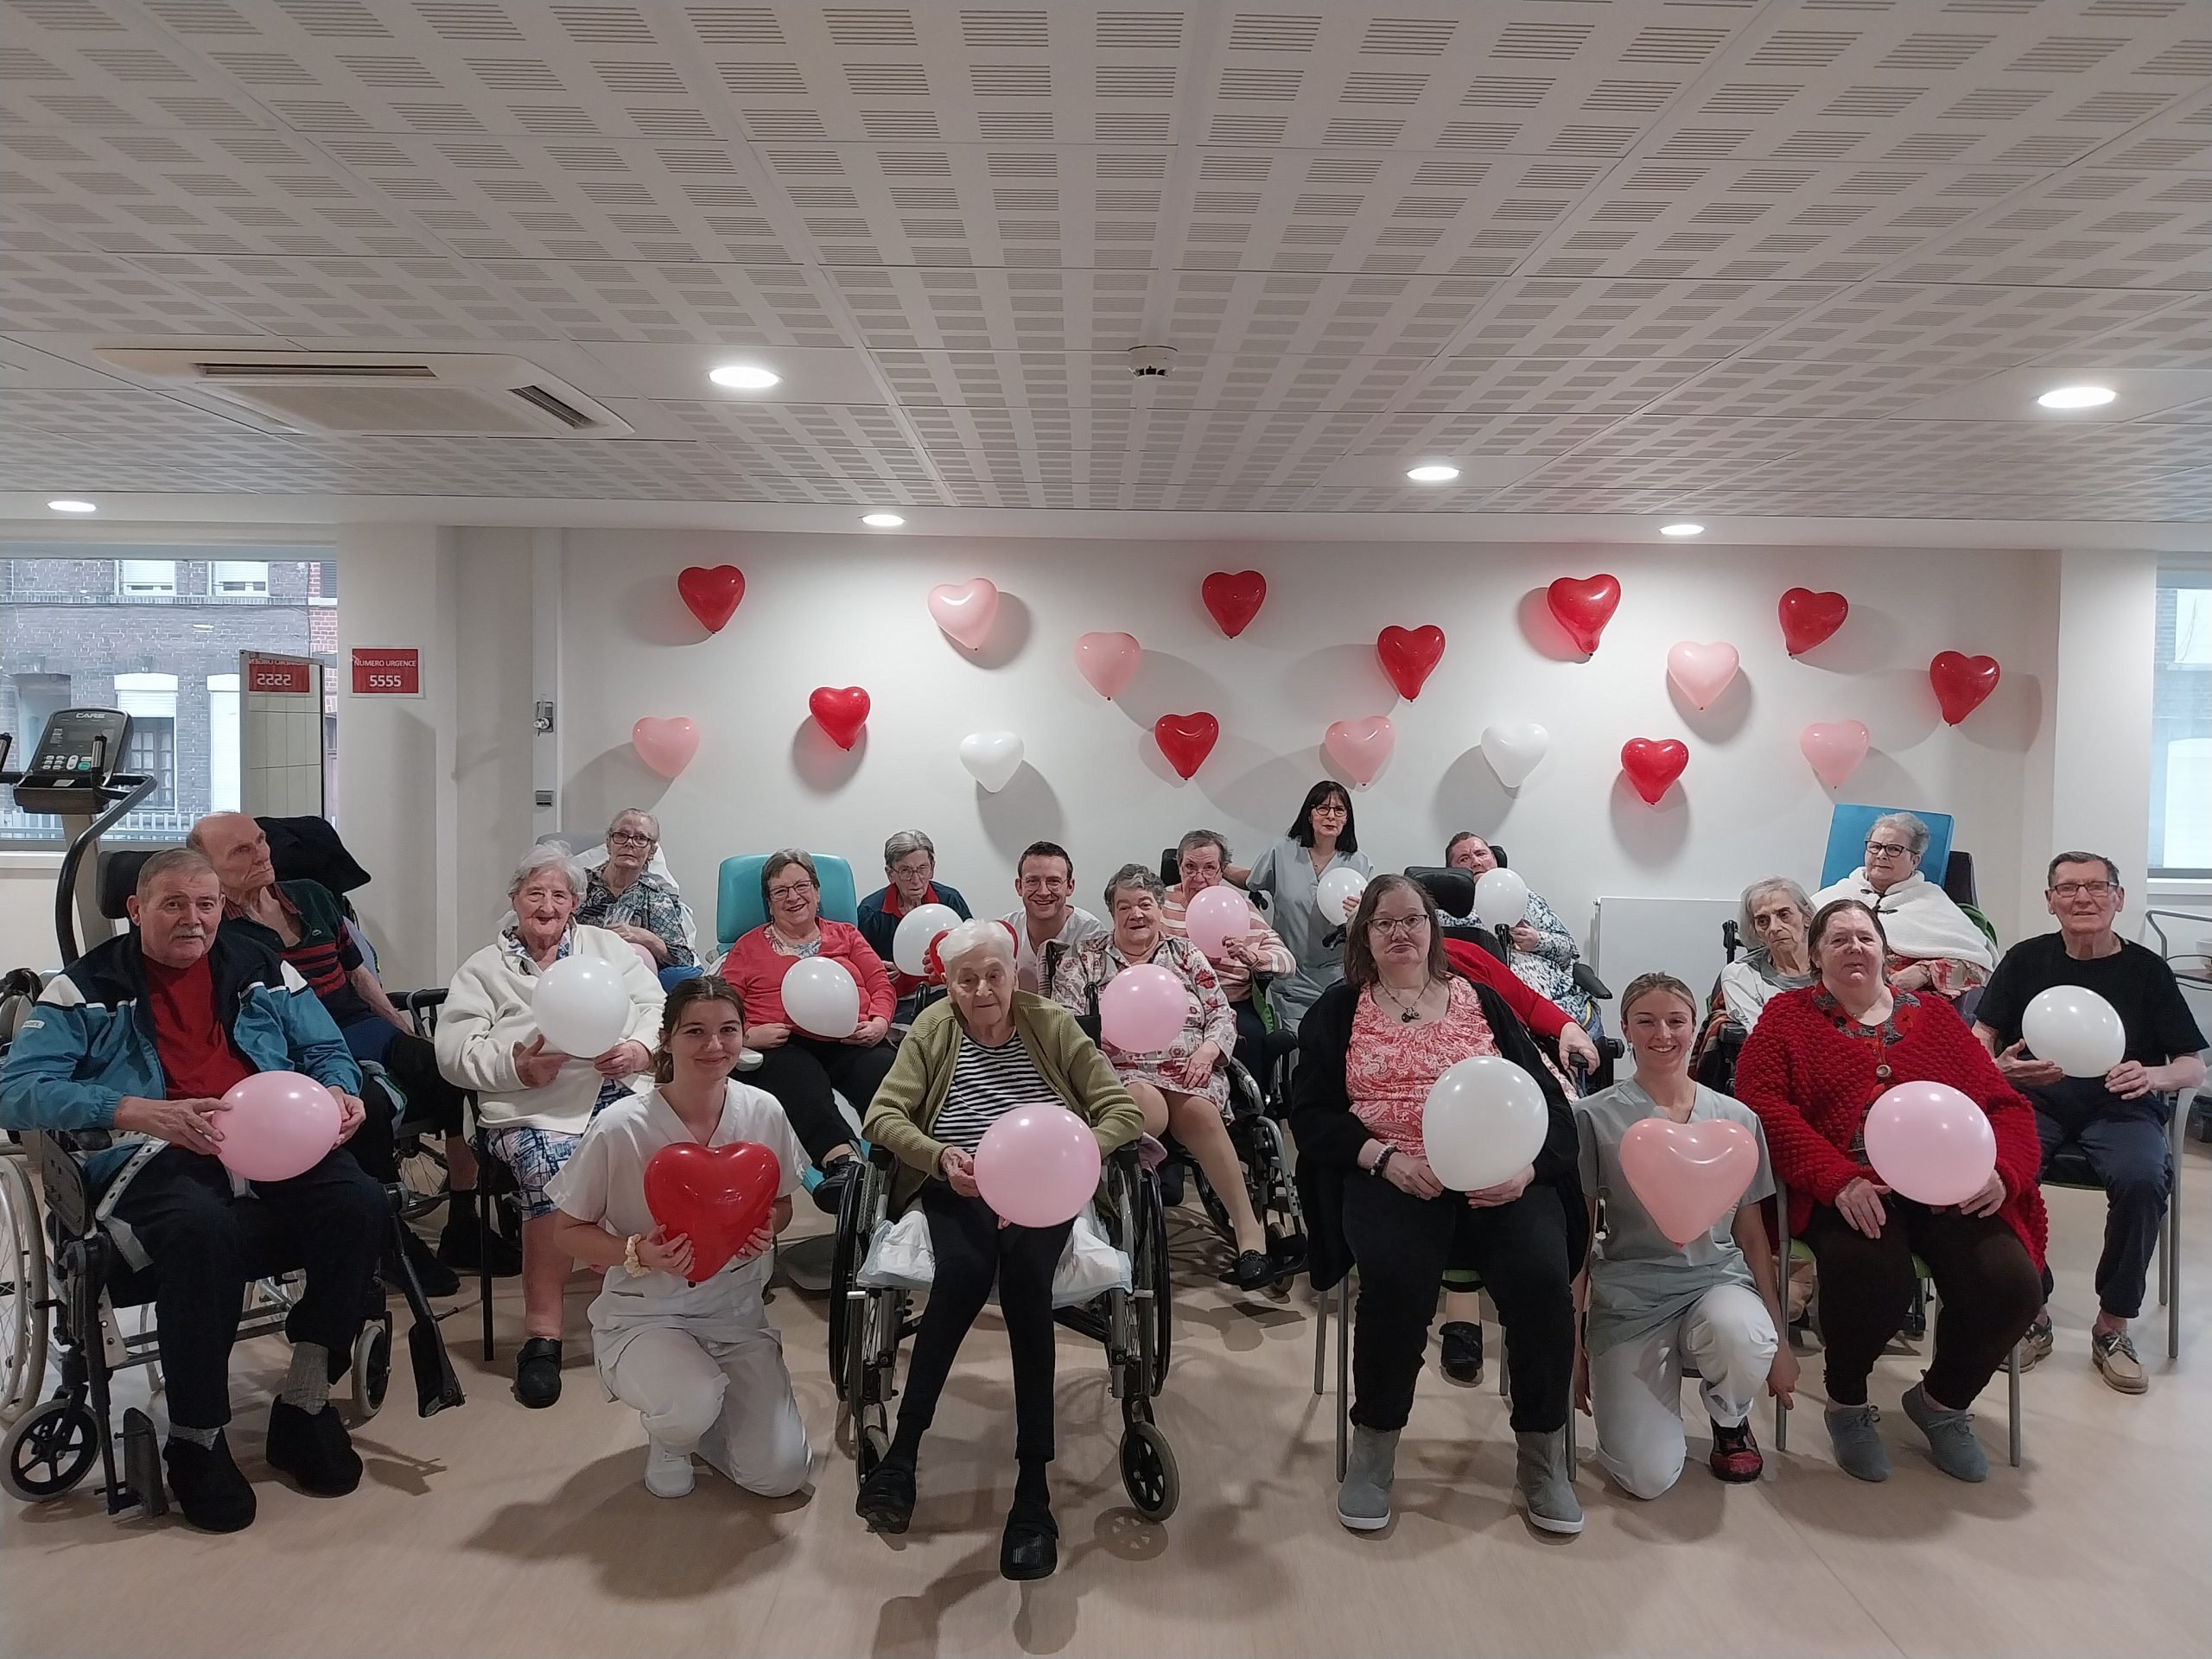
(738, 907)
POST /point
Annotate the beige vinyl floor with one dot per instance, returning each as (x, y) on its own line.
(493, 1530)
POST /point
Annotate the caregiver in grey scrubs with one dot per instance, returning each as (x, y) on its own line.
(1320, 840)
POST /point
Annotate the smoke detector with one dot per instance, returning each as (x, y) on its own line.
(1148, 362)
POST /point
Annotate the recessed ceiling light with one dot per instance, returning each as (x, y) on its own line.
(882, 520)
(72, 506)
(744, 377)
(1433, 472)
(1681, 529)
(2077, 397)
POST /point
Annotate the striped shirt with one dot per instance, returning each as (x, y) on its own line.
(987, 1085)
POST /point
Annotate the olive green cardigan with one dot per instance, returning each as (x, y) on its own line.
(908, 1102)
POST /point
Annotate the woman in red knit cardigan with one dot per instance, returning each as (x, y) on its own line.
(1814, 1063)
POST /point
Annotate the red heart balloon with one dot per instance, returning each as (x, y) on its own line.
(1808, 617)
(1962, 684)
(1583, 605)
(1185, 740)
(712, 595)
(1652, 764)
(1409, 655)
(840, 710)
(718, 1197)
(1234, 598)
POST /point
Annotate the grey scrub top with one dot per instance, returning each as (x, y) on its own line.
(1641, 1279)
(1285, 873)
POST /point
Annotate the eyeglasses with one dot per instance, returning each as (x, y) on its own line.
(2069, 889)
(1401, 927)
(630, 837)
(791, 890)
(1885, 849)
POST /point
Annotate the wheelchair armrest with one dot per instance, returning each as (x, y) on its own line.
(1609, 1048)
(1586, 981)
(1126, 1157)
(881, 1157)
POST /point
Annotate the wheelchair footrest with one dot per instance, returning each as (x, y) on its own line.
(142, 1487)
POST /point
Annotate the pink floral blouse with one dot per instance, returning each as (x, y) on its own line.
(1391, 1066)
(1207, 1018)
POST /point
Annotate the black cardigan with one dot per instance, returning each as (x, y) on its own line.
(1329, 1135)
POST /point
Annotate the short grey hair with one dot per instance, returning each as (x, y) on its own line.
(905, 842)
(187, 862)
(548, 854)
(1134, 875)
(966, 938)
(1757, 891)
(1914, 831)
(1199, 838)
(634, 813)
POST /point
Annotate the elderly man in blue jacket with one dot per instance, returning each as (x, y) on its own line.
(141, 1039)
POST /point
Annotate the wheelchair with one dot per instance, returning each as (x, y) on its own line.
(1135, 1326)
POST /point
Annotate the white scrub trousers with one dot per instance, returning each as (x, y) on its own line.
(730, 1401)
(1636, 1387)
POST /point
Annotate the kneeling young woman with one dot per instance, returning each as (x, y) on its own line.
(1651, 1305)
(700, 1361)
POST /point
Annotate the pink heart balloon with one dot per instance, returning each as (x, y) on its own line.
(966, 610)
(1835, 747)
(1109, 661)
(666, 745)
(1702, 672)
(1688, 1175)
(1360, 747)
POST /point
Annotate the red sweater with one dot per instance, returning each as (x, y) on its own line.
(1811, 1082)
(756, 968)
(1541, 1014)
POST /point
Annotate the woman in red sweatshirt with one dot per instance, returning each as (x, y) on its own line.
(1814, 1063)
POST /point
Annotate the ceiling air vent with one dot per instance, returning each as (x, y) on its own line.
(385, 394)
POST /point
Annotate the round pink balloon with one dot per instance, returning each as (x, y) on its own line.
(1038, 1166)
(1359, 747)
(1835, 747)
(277, 1124)
(1109, 661)
(666, 745)
(1140, 1010)
(1930, 1142)
(1215, 916)
(1687, 1176)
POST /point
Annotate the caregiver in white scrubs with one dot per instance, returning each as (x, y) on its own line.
(1321, 839)
(701, 1363)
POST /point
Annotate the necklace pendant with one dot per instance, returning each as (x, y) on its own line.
(1409, 1016)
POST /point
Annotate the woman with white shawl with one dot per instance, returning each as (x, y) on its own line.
(1934, 945)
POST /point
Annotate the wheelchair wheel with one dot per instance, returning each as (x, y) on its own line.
(1148, 1471)
(844, 1263)
(23, 1293)
(371, 1368)
(50, 1450)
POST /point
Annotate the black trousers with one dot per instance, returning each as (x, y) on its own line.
(1523, 1252)
(973, 1251)
(373, 1146)
(801, 1073)
(413, 1062)
(1251, 1040)
(1987, 1293)
(2125, 1144)
(207, 1245)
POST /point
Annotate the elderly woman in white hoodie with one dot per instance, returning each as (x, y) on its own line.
(1933, 944)
(533, 1103)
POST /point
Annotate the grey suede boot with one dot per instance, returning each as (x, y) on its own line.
(1547, 1481)
(1364, 1500)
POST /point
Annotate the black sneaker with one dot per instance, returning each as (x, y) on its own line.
(538, 1373)
(829, 1191)
(463, 1244)
(886, 1499)
(436, 1278)
(1463, 1352)
(1254, 1268)
(1031, 1546)
(1735, 1455)
(314, 1449)
(207, 1485)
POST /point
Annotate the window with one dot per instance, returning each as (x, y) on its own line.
(145, 578)
(239, 579)
(2180, 727)
(150, 750)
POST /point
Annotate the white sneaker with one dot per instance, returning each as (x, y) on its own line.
(668, 1472)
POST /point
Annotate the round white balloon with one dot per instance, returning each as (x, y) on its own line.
(2075, 1030)
(1484, 1120)
(919, 929)
(992, 757)
(580, 1006)
(1337, 892)
(1501, 898)
(1512, 747)
(821, 997)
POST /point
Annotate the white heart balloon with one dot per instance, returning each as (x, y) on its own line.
(1512, 747)
(992, 757)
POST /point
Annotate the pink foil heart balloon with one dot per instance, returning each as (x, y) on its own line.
(1835, 747)
(1360, 747)
(966, 610)
(666, 745)
(1109, 661)
(1702, 672)
(1688, 1175)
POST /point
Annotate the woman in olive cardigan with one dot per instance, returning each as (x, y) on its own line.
(967, 1061)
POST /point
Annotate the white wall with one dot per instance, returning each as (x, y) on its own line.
(841, 611)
